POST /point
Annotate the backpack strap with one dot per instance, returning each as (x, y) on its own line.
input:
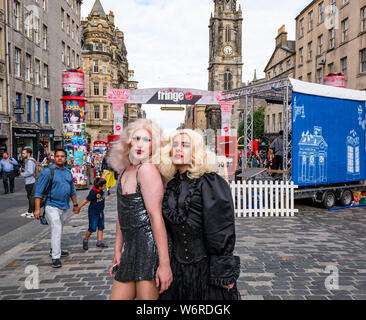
(50, 184)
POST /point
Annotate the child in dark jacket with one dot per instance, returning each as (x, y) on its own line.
(96, 198)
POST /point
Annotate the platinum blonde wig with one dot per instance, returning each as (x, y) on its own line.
(120, 158)
(203, 161)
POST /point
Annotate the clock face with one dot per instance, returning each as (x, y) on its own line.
(228, 50)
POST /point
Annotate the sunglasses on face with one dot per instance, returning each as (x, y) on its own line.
(145, 139)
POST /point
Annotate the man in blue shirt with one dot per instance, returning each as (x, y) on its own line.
(57, 204)
(7, 171)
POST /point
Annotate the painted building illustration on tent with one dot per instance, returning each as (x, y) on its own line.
(353, 156)
(362, 122)
(313, 154)
(298, 110)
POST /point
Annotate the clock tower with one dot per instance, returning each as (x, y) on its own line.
(225, 62)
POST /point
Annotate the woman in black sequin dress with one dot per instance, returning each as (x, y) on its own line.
(143, 266)
(199, 215)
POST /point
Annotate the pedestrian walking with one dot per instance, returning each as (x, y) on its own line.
(108, 172)
(57, 203)
(199, 214)
(277, 147)
(96, 200)
(50, 159)
(257, 160)
(90, 166)
(8, 170)
(29, 173)
(240, 159)
(143, 269)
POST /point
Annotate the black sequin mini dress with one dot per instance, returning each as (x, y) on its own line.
(140, 258)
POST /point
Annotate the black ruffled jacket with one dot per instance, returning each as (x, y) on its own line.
(199, 215)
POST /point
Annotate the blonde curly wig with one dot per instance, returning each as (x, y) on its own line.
(203, 160)
(120, 158)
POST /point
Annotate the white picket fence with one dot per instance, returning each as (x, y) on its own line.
(263, 198)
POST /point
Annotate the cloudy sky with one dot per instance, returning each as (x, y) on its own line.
(168, 46)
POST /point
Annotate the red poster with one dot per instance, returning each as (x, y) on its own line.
(227, 146)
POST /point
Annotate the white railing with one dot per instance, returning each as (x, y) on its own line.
(263, 198)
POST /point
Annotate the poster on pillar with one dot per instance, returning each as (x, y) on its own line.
(226, 108)
(74, 127)
(118, 97)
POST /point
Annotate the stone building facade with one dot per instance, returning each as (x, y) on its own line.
(282, 61)
(133, 111)
(195, 117)
(104, 61)
(4, 107)
(105, 65)
(42, 37)
(281, 64)
(225, 57)
(331, 37)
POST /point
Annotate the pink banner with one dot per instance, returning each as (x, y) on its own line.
(118, 97)
(226, 107)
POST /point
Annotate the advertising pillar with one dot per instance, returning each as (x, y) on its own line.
(74, 127)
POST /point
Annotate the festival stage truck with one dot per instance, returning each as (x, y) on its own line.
(324, 137)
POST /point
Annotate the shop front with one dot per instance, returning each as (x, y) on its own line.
(46, 141)
(41, 141)
(4, 136)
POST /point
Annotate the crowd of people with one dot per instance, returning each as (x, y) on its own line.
(271, 157)
(175, 230)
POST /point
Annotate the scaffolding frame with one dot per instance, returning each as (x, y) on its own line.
(275, 91)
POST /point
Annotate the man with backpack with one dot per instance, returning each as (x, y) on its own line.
(8, 170)
(30, 174)
(57, 182)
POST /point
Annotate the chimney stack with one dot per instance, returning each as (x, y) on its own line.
(281, 39)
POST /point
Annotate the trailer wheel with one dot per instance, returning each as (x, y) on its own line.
(346, 198)
(329, 200)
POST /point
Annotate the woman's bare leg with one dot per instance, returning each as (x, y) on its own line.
(123, 290)
(146, 290)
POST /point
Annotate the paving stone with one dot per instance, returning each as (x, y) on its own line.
(272, 298)
(316, 298)
(292, 298)
(280, 292)
(15, 297)
(94, 298)
(55, 289)
(252, 298)
(299, 292)
(79, 288)
(73, 284)
(59, 294)
(34, 296)
(69, 298)
(340, 297)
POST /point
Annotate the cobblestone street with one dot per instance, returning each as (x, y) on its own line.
(281, 258)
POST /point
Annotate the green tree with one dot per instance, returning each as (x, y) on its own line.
(258, 124)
